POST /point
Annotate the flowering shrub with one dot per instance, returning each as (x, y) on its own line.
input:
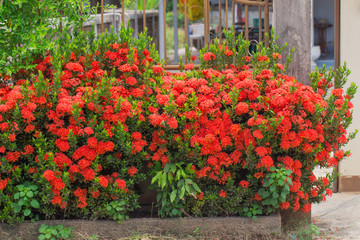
(222, 140)
(74, 130)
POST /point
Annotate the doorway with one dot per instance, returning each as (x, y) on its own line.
(326, 33)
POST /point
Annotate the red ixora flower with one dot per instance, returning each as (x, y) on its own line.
(76, 67)
(132, 171)
(209, 56)
(136, 135)
(267, 161)
(244, 183)
(222, 193)
(242, 108)
(103, 181)
(49, 175)
(121, 184)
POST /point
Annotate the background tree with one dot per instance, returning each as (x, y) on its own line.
(28, 27)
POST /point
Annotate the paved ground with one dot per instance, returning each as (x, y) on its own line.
(338, 217)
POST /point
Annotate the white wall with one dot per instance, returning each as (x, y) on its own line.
(350, 52)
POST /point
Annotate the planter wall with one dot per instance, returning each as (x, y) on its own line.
(267, 227)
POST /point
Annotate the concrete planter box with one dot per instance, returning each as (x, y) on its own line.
(291, 220)
(267, 227)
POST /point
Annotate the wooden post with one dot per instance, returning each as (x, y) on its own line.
(164, 1)
(176, 37)
(292, 22)
(266, 21)
(206, 22)
(144, 16)
(186, 27)
(247, 22)
(81, 14)
(226, 14)
(123, 12)
(61, 23)
(233, 24)
(102, 16)
(337, 34)
(220, 23)
(260, 24)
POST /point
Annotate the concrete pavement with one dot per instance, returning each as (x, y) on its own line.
(338, 217)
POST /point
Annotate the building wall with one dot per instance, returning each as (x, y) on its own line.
(350, 52)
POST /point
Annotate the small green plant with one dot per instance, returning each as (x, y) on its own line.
(56, 232)
(116, 210)
(253, 211)
(276, 187)
(305, 232)
(25, 200)
(175, 184)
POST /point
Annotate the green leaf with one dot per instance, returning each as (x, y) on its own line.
(289, 181)
(275, 195)
(41, 237)
(173, 195)
(16, 196)
(273, 202)
(183, 174)
(282, 198)
(173, 168)
(187, 188)
(21, 202)
(286, 187)
(163, 201)
(188, 167)
(171, 178)
(188, 181)
(272, 188)
(27, 212)
(30, 194)
(35, 204)
(167, 167)
(174, 212)
(281, 182)
(17, 207)
(196, 187)
(182, 192)
(157, 176)
(178, 175)
(266, 182)
(163, 181)
(263, 193)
